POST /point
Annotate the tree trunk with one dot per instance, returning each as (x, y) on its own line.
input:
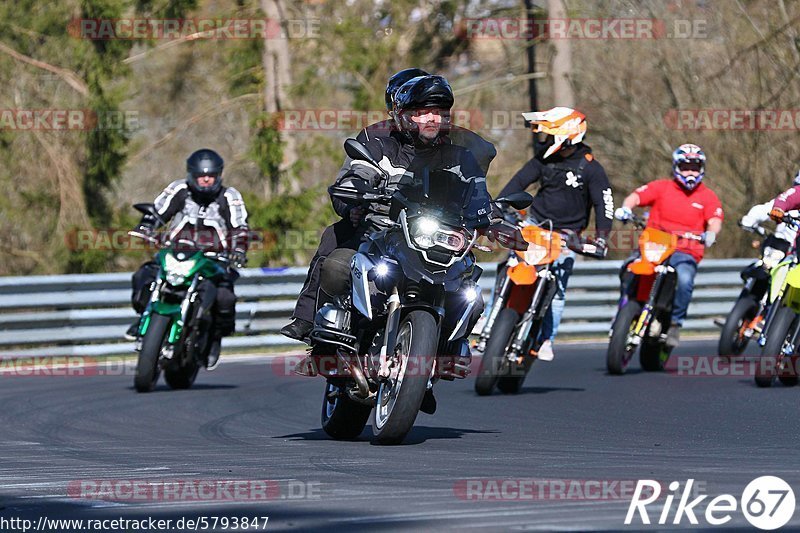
(561, 62)
(276, 62)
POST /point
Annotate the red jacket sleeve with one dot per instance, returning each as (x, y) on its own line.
(713, 209)
(788, 200)
(649, 192)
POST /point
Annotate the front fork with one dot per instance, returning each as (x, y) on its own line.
(497, 306)
(520, 342)
(646, 316)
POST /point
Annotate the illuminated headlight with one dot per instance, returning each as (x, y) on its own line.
(381, 269)
(424, 231)
(654, 252)
(535, 253)
(178, 270)
(772, 257)
(471, 294)
(426, 226)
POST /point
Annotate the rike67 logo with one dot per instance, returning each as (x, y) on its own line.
(767, 503)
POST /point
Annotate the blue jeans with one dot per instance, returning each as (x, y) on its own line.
(562, 269)
(686, 268)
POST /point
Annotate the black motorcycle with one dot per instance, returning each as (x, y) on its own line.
(382, 346)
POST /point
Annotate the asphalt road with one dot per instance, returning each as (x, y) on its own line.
(572, 428)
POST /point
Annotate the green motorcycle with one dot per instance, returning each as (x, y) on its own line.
(781, 331)
(175, 328)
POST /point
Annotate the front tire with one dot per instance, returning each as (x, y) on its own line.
(619, 354)
(494, 356)
(731, 341)
(399, 398)
(147, 370)
(772, 353)
(342, 417)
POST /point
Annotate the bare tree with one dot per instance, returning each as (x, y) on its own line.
(277, 80)
(561, 61)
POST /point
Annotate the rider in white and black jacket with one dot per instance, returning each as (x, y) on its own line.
(200, 209)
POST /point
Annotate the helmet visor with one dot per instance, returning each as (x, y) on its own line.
(423, 116)
(690, 166)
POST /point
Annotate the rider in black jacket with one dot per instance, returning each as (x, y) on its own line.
(421, 109)
(348, 232)
(571, 183)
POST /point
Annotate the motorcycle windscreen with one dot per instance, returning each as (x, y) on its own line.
(454, 200)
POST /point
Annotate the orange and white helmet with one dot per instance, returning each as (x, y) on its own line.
(566, 125)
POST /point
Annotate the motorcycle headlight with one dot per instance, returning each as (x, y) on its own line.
(427, 233)
(535, 253)
(423, 232)
(653, 252)
(176, 270)
(772, 257)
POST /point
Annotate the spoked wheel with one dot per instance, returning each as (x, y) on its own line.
(773, 352)
(620, 351)
(732, 340)
(400, 396)
(494, 362)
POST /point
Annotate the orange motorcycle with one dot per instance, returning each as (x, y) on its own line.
(510, 339)
(645, 310)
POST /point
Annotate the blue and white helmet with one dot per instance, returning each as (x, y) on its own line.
(796, 180)
(688, 157)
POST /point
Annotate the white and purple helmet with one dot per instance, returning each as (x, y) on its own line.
(688, 157)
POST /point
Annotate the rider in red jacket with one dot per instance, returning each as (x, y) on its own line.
(680, 205)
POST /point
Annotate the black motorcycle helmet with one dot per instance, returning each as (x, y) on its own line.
(397, 80)
(423, 92)
(204, 162)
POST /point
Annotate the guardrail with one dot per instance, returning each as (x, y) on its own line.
(87, 314)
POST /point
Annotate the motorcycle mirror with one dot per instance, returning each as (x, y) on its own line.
(356, 150)
(146, 209)
(517, 200)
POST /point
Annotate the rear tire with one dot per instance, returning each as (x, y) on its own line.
(513, 384)
(650, 355)
(494, 356)
(342, 417)
(147, 370)
(730, 342)
(181, 377)
(772, 352)
(619, 354)
(396, 409)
